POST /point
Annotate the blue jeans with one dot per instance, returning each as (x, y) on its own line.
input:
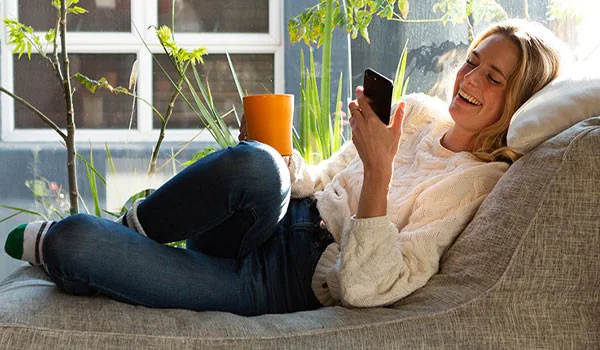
(250, 250)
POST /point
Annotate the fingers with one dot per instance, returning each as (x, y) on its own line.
(287, 160)
(361, 111)
(363, 103)
(354, 114)
(398, 116)
(243, 129)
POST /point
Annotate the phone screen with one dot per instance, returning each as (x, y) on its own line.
(378, 89)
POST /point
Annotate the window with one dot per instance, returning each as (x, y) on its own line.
(105, 43)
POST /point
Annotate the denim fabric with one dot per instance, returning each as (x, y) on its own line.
(250, 249)
(226, 204)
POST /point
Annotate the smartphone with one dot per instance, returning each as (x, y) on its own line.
(378, 89)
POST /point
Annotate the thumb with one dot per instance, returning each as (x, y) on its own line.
(398, 116)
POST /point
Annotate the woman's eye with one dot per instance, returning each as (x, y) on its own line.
(470, 63)
(494, 81)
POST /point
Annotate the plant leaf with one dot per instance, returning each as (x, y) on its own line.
(109, 158)
(403, 7)
(238, 86)
(77, 10)
(10, 217)
(22, 210)
(200, 154)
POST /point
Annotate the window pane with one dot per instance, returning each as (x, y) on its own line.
(219, 16)
(36, 82)
(255, 73)
(103, 16)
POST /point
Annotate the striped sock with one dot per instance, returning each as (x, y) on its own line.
(25, 241)
(130, 219)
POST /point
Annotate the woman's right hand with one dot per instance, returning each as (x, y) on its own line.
(243, 129)
(376, 143)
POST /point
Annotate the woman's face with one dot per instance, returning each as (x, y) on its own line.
(480, 86)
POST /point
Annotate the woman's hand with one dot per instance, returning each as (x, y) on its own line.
(377, 145)
(375, 142)
(243, 129)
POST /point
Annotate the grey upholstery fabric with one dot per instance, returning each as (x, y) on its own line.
(524, 274)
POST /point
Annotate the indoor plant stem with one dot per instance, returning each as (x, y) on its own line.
(70, 141)
(325, 119)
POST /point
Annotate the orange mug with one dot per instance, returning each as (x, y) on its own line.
(269, 120)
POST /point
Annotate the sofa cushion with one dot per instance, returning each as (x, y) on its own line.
(568, 99)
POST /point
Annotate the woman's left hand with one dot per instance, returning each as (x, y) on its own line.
(375, 142)
(243, 129)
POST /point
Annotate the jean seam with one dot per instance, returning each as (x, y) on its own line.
(245, 238)
(303, 226)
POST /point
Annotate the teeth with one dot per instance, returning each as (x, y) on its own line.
(469, 98)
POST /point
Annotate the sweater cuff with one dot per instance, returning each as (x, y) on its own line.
(359, 225)
(295, 163)
(325, 284)
(301, 186)
(370, 223)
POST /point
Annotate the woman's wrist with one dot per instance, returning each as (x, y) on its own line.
(378, 174)
(374, 193)
(376, 187)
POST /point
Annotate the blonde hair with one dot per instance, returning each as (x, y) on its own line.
(540, 55)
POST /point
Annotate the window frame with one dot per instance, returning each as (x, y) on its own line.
(144, 13)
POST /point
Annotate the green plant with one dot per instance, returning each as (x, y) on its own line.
(200, 102)
(181, 59)
(400, 78)
(50, 197)
(317, 136)
(472, 12)
(320, 135)
(203, 106)
(352, 15)
(469, 12)
(561, 9)
(24, 39)
(48, 194)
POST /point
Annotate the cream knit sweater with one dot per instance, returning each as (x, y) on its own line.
(433, 194)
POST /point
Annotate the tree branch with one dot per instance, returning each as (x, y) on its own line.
(164, 121)
(66, 82)
(36, 111)
(55, 62)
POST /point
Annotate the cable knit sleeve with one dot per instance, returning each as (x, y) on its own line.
(381, 263)
(307, 179)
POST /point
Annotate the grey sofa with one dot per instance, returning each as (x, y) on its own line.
(524, 274)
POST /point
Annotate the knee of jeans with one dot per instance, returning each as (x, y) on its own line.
(263, 164)
(66, 237)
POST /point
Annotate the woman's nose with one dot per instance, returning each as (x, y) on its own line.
(473, 77)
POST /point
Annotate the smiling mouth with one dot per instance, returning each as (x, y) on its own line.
(468, 98)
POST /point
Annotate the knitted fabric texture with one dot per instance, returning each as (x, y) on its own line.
(433, 194)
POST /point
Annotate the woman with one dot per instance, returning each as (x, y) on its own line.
(364, 228)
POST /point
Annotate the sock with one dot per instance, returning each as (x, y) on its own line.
(130, 219)
(25, 241)
(122, 220)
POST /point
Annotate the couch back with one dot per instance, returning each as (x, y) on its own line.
(527, 268)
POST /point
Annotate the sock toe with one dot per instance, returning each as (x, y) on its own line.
(14, 242)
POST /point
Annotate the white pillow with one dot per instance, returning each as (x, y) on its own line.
(566, 100)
